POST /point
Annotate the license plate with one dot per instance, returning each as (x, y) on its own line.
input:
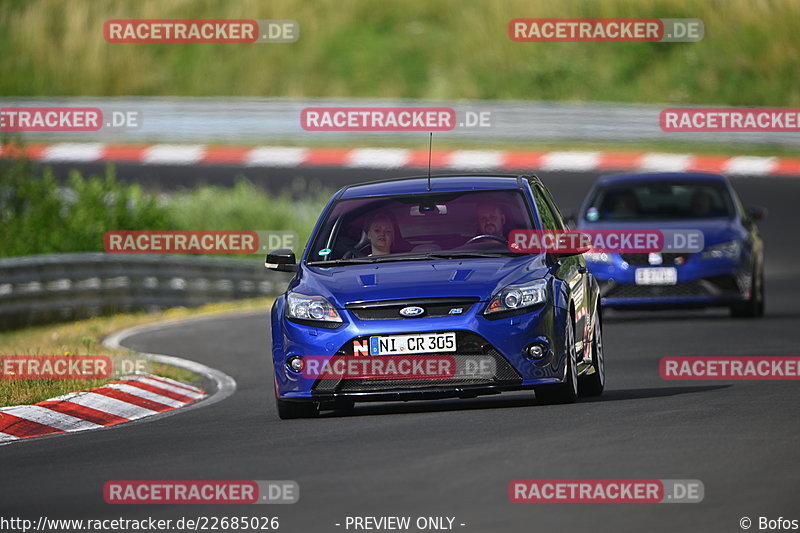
(657, 276)
(411, 344)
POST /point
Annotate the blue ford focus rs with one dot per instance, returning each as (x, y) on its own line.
(421, 267)
(727, 272)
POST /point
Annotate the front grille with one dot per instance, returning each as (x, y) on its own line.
(724, 286)
(467, 344)
(390, 309)
(642, 259)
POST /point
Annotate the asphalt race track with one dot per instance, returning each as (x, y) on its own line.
(456, 457)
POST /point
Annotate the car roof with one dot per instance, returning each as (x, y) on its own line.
(644, 177)
(439, 183)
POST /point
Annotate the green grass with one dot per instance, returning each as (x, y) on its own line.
(84, 337)
(37, 216)
(408, 48)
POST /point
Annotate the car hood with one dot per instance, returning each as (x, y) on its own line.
(441, 278)
(715, 230)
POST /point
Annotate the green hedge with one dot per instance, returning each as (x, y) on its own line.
(40, 216)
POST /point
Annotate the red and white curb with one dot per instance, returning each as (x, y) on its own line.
(389, 158)
(123, 400)
(139, 397)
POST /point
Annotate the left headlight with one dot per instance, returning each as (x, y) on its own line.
(519, 296)
(723, 250)
(305, 307)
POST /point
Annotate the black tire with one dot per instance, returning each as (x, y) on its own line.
(566, 392)
(754, 307)
(289, 410)
(594, 383)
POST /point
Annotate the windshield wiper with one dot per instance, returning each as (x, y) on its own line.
(368, 259)
(415, 257)
(457, 255)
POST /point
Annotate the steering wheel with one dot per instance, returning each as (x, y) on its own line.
(486, 236)
(356, 251)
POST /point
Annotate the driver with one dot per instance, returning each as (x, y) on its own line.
(491, 220)
(701, 203)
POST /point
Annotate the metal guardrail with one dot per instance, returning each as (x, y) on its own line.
(270, 120)
(48, 288)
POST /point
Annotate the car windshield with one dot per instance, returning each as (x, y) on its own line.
(659, 201)
(420, 226)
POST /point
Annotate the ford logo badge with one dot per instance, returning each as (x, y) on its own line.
(412, 311)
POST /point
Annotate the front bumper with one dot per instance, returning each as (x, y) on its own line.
(699, 284)
(431, 393)
(505, 339)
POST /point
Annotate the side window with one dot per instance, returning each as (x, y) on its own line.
(738, 207)
(559, 218)
(546, 214)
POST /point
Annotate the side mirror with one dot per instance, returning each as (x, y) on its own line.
(575, 243)
(281, 260)
(570, 220)
(756, 212)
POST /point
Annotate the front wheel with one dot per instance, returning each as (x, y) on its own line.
(289, 410)
(594, 383)
(754, 307)
(566, 392)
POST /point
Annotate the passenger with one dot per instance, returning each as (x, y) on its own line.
(380, 234)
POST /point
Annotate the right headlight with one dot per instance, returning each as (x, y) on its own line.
(723, 250)
(519, 296)
(316, 308)
(598, 257)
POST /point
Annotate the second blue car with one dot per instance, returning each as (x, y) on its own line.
(728, 271)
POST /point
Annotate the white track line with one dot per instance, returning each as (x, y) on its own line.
(756, 166)
(571, 161)
(77, 152)
(174, 154)
(47, 417)
(167, 387)
(378, 158)
(110, 405)
(5, 437)
(146, 394)
(269, 156)
(665, 162)
(475, 159)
